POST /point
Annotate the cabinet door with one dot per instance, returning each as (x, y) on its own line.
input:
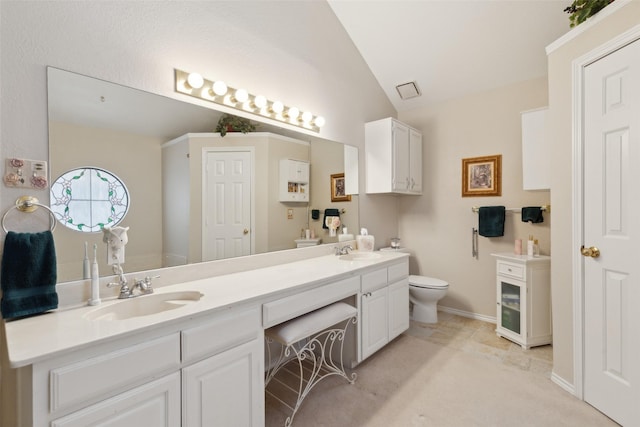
(415, 161)
(400, 152)
(398, 308)
(511, 306)
(226, 389)
(375, 329)
(154, 404)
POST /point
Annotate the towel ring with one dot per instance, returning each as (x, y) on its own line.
(29, 204)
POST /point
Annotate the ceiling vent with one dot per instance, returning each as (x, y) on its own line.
(408, 90)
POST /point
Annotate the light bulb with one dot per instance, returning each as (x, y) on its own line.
(306, 117)
(241, 96)
(277, 107)
(319, 121)
(195, 80)
(219, 88)
(260, 101)
(293, 113)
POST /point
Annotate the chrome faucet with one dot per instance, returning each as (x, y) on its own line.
(126, 292)
(343, 250)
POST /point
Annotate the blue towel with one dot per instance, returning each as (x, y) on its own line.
(532, 214)
(491, 221)
(29, 274)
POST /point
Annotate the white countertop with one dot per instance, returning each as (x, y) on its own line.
(36, 338)
(521, 258)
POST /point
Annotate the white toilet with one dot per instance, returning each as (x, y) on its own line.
(424, 294)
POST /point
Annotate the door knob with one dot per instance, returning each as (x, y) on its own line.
(245, 231)
(592, 251)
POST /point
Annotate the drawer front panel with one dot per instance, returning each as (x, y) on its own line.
(374, 280)
(108, 374)
(511, 270)
(399, 271)
(287, 308)
(226, 331)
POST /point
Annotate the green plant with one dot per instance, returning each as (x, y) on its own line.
(231, 123)
(580, 10)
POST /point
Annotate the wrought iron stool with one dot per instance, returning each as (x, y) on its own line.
(311, 339)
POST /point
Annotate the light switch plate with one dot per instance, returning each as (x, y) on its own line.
(26, 173)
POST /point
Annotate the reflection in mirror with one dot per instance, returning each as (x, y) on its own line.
(159, 148)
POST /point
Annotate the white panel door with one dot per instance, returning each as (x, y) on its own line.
(226, 389)
(226, 214)
(154, 404)
(375, 321)
(612, 225)
(400, 157)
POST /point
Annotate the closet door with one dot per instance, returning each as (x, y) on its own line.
(611, 234)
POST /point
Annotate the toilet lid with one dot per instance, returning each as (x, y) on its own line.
(427, 282)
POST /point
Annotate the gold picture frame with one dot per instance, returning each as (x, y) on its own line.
(482, 176)
(338, 188)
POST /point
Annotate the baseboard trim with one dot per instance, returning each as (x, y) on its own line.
(468, 314)
(563, 384)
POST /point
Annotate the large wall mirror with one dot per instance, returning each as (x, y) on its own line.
(158, 147)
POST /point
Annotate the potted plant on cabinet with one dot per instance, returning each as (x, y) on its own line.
(580, 10)
(231, 123)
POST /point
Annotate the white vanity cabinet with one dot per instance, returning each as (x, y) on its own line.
(393, 155)
(207, 372)
(294, 180)
(524, 299)
(225, 385)
(384, 307)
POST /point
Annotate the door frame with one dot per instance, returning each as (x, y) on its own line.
(578, 70)
(252, 156)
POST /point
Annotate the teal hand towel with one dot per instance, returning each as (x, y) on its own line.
(29, 274)
(532, 214)
(329, 212)
(491, 221)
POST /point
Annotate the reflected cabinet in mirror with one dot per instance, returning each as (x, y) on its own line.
(193, 195)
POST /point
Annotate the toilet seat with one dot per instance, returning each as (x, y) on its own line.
(427, 282)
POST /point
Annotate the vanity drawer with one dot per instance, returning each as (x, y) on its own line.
(287, 308)
(398, 271)
(222, 333)
(104, 376)
(512, 270)
(375, 280)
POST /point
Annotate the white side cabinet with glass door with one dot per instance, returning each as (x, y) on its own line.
(524, 299)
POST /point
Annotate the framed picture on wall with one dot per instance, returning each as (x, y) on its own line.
(338, 188)
(482, 176)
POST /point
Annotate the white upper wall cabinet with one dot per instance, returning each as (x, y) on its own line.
(535, 150)
(393, 155)
(294, 180)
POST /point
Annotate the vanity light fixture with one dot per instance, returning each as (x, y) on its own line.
(195, 85)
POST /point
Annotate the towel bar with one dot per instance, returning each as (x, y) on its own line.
(545, 208)
(29, 204)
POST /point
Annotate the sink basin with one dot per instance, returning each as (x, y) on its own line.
(360, 256)
(144, 305)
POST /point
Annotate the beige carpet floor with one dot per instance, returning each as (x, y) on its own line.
(413, 382)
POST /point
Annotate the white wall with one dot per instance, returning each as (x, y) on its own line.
(437, 225)
(589, 36)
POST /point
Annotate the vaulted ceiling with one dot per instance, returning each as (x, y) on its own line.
(452, 48)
